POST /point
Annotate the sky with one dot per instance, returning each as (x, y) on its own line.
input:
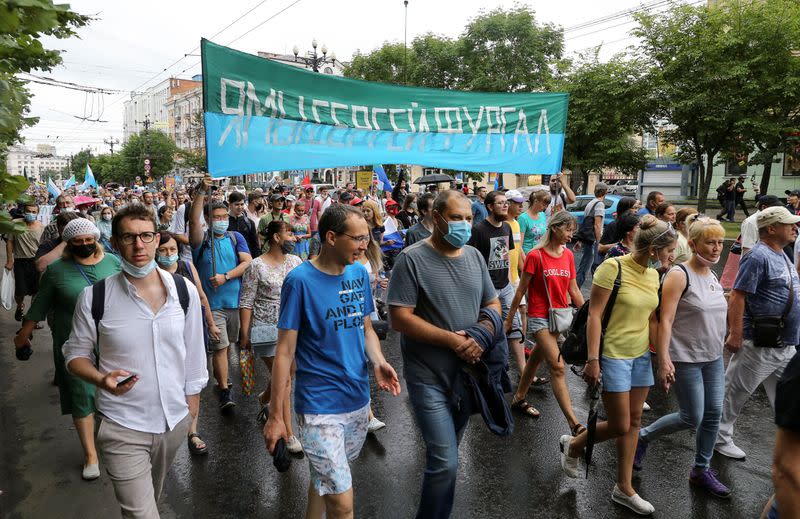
(128, 45)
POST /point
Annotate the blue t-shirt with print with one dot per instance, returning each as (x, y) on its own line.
(328, 313)
(764, 274)
(226, 259)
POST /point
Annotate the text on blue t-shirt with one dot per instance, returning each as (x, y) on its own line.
(328, 313)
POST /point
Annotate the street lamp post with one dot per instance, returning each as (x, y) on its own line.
(314, 61)
(405, 44)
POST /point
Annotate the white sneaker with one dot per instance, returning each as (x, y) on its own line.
(730, 450)
(375, 425)
(634, 502)
(91, 472)
(570, 465)
(646, 407)
(293, 445)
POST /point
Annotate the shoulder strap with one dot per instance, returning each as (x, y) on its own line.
(183, 292)
(683, 268)
(613, 297)
(98, 305)
(791, 290)
(232, 236)
(544, 279)
(661, 288)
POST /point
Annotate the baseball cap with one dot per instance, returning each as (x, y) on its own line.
(356, 201)
(290, 198)
(792, 192)
(390, 203)
(768, 201)
(773, 215)
(515, 196)
(276, 196)
(601, 185)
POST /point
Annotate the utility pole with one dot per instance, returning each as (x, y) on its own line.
(111, 141)
(405, 45)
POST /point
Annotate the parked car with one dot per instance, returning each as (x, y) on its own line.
(579, 206)
(624, 188)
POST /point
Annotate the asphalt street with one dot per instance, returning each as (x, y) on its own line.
(516, 477)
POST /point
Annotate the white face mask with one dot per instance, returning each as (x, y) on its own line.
(705, 262)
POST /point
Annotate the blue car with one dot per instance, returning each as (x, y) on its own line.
(579, 206)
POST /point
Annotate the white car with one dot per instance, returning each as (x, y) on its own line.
(624, 188)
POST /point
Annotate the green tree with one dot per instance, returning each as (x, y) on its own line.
(609, 103)
(22, 24)
(108, 168)
(384, 64)
(78, 163)
(508, 51)
(699, 81)
(149, 144)
(194, 160)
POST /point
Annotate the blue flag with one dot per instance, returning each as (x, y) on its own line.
(52, 188)
(383, 179)
(89, 180)
(70, 182)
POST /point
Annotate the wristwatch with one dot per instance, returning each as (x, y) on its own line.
(225, 275)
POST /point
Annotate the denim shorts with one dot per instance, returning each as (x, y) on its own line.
(537, 323)
(330, 442)
(620, 375)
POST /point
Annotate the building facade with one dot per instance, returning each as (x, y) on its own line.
(36, 164)
(148, 109)
(185, 119)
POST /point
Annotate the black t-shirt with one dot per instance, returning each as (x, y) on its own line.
(494, 243)
(787, 405)
(739, 195)
(246, 228)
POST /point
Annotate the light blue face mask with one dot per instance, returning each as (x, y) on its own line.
(220, 226)
(30, 217)
(167, 261)
(458, 233)
(138, 272)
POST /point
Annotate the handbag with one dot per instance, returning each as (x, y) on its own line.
(585, 232)
(262, 333)
(559, 320)
(247, 365)
(575, 348)
(768, 329)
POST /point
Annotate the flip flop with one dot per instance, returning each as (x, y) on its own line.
(540, 381)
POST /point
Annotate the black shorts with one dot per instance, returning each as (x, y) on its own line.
(26, 279)
(787, 403)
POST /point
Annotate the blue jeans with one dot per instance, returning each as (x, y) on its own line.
(700, 388)
(588, 252)
(441, 425)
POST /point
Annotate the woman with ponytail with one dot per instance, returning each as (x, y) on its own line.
(623, 365)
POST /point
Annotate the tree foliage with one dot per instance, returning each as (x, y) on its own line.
(22, 25)
(149, 144)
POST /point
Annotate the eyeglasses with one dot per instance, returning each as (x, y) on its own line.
(130, 239)
(667, 231)
(504, 202)
(359, 239)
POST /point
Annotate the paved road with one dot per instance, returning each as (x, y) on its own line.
(518, 477)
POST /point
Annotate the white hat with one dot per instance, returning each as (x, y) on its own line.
(515, 196)
(79, 227)
(773, 215)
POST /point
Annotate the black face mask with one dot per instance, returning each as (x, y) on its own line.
(83, 251)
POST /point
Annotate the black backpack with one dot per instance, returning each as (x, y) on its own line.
(586, 230)
(99, 300)
(575, 349)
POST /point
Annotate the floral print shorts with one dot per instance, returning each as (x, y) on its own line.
(330, 442)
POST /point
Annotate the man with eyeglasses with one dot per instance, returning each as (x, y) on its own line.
(494, 239)
(151, 365)
(325, 330)
(220, 274)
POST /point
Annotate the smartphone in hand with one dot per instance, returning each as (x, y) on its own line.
(123, 382)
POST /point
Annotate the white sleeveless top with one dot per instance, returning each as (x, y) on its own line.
(698, 332)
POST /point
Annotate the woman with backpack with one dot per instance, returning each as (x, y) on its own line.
(690, 355)
(547, 279)
(168, 259)
(623, 364)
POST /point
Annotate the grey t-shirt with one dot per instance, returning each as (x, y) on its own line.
(446, 292)
(765, 274)
(418, 232)
(698, 334)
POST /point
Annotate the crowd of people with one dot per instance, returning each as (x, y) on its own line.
(141, 287)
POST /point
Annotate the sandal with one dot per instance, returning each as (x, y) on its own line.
(524, 407)
(195, 447)
(577, 429)
(540, 381)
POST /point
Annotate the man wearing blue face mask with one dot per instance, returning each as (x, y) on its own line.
(437, 290)
(220, 275)
(20, 254)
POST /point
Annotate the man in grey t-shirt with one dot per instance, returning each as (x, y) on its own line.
(438, 288)
(593, 217)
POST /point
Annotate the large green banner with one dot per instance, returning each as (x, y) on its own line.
(262, 115)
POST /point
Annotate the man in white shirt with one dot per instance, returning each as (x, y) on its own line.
(749, 228)
(560, 194)
(151, 366)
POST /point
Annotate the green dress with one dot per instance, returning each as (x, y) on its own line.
(59, 288)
